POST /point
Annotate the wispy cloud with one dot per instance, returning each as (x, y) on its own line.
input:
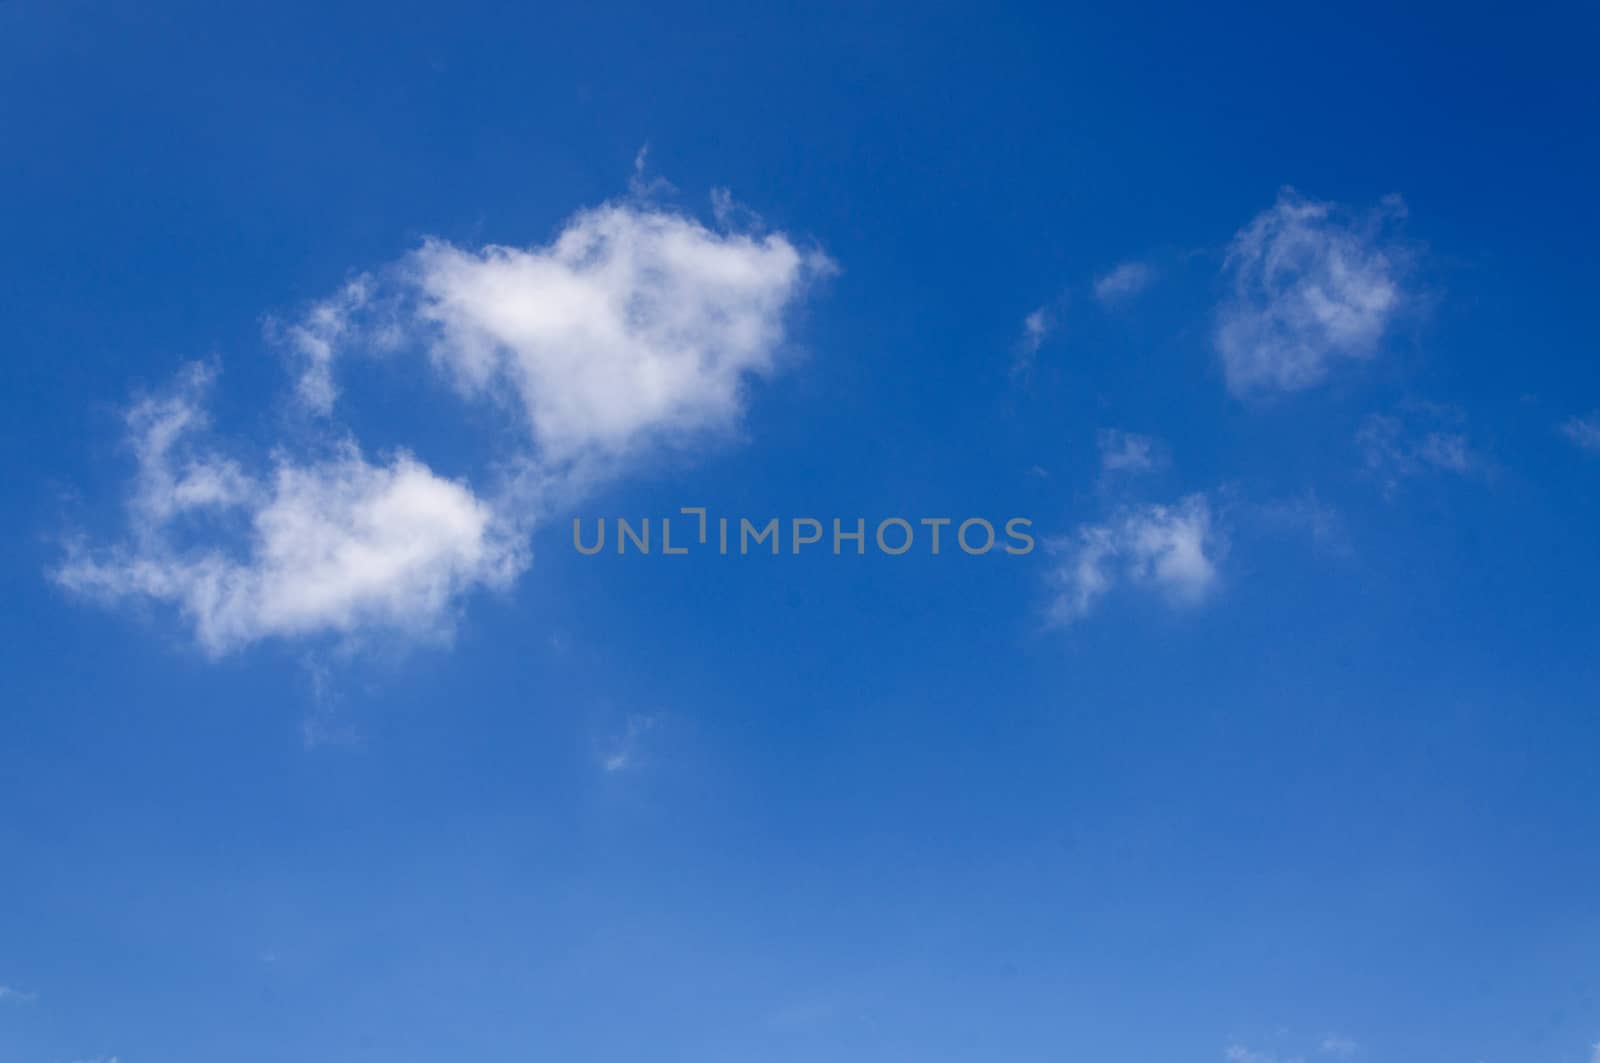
(315, 340)
(1173, 551)
(1583, 432)
(1122, 284)
(11, 995)
(1128, 452)
(1311, 284)
(1417, 438)
(731, 214)
(1237, 1053)
(1037, 327)
(1306, 514)
(641, 185)
(1335, 1045)
(625, 750)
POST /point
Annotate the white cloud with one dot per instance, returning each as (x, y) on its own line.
(1123, 283)
(635, 326)
(623, 752)
(331, 545)
(1241, 1054)
(1128, 451)
(1036, 328)
(1417, 438)
(15, 996)
(1583, 432)
(635, 329)
(1307, 514)
(1237, 1053)
(1171, 550)
(730, 213)
(632, 327)
(641, 186)
(316, 338)
(1312, 283)
(1334, 1045)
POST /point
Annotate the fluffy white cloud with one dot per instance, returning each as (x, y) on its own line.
(1123, 283)
(1583, 432)
(1128, 451)
(1311, 283)
(333, 545)
(1171, 550)
(634, 326)
(1417, 438)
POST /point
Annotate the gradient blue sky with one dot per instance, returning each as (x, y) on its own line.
(1281, 746)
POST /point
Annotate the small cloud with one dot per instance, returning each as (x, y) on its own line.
(1171, 550)
(1122, 284)
(323, 725)
(634, 328)
(1307, 514)
(1417, 438)
(1312, 284)
(322, 334)
(1128, 451)
(807, 1013)
(321, 728)
(1583, 432)
(642, 186)
(331, 545)
(1036, 328)
(1237, 1053)
(9, 995)
(1334, 1045)
(624, 751)
(731, 214)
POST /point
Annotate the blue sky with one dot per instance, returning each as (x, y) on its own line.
(323, 322)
